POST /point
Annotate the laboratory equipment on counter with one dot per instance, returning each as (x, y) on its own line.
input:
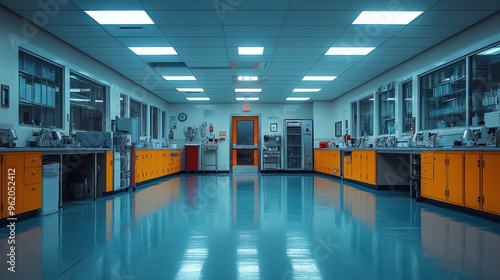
(8, 137)
(122, 145)
(418, 139)
(130, 125)
(298, 144)
(479, 136)
(209, 147)
(94, 139)
(190, 133)
(271, 152)
(48, 138)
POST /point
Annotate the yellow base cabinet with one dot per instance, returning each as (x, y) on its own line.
(327, 161)
(152, 164)
(442, 176)
(427, 174)
(21, 183)
(347, 167)
(364, 166)
(491, 185)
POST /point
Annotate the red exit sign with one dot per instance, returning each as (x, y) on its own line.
(245, 107)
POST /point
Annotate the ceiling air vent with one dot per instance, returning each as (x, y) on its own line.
(167, 64)
(131, 27)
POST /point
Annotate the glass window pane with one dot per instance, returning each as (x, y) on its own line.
(244, 157)
(154, 122)
(366, 116)
(484, 86)
(164, 124)
(244, 132)
(354, 113)
(40, 96)
(144, 119)
(387, 110)
(87, 103)
(443, 97)
(122, 105)
(407, 101)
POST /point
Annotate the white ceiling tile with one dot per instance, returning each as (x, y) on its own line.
(185, 17)
(464, 5)
(254, 18)
(390, 51)
(141, 42)
(360, 41)
(17, 5)
(145, 31)
(106, 51)
(371, 30)
(312, 31)
(430, 31)
(197, 41)
(211, 65)
(192, 30)
(201, 50)
(77, 31)
(296, 58)
(424, 42)
(320, 17)
(205, 58)
(305, 42)
(252, 31)
(400, 5)
(450, 17)
(324, 5)
(108, 5)
(61, 18)
(251, 42)
(290, 65)
(90, 42)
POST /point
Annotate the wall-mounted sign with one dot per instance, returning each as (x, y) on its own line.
(222, 133)
(245, 107)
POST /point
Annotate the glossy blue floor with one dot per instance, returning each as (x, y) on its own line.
(266, 226)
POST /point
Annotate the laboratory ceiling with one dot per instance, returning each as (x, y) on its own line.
(295, 35)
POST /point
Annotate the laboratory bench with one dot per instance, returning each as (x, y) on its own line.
(22, 168)
(465, 176)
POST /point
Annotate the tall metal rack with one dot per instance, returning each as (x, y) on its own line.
(207, 149)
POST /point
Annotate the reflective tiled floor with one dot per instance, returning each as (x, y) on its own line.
(269, 226)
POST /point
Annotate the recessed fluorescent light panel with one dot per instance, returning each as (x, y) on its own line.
(349, 50)
(179, 78)
(250, 50)
(153, 50)
(386, 17)
(491, 51)
(197, 98)
(79, 99)
(247, 98)
(120, 17)
(248, 78)
(190, 89)
(319, 78)
(306, 90)
(297, 98)
(247, 90)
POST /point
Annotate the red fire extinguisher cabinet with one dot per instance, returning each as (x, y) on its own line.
(191, 153)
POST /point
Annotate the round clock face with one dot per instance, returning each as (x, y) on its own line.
(182, 117)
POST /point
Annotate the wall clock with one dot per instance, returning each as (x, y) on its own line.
(182, 117)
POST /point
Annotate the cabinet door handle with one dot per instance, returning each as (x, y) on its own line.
(34, 159)
(33, 188)
(478, 198)
(34, 171)
(479, 163)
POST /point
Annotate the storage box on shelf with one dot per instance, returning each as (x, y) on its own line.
(24, 172)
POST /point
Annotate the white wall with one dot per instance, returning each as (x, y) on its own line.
(268, 113)
(16, 32)
(470, 40)
(324, 122)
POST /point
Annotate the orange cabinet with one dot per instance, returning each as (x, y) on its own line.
(482, 190)
(318, 156)
(327, 161)
(364, 166)
(109, 171)
(347, 167)
(427, 174)
(21, 182)
(491, 186)
(449, 177)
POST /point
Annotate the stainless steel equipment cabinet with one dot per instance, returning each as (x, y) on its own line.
(298, 145)
(271, 152)
(208, 149)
